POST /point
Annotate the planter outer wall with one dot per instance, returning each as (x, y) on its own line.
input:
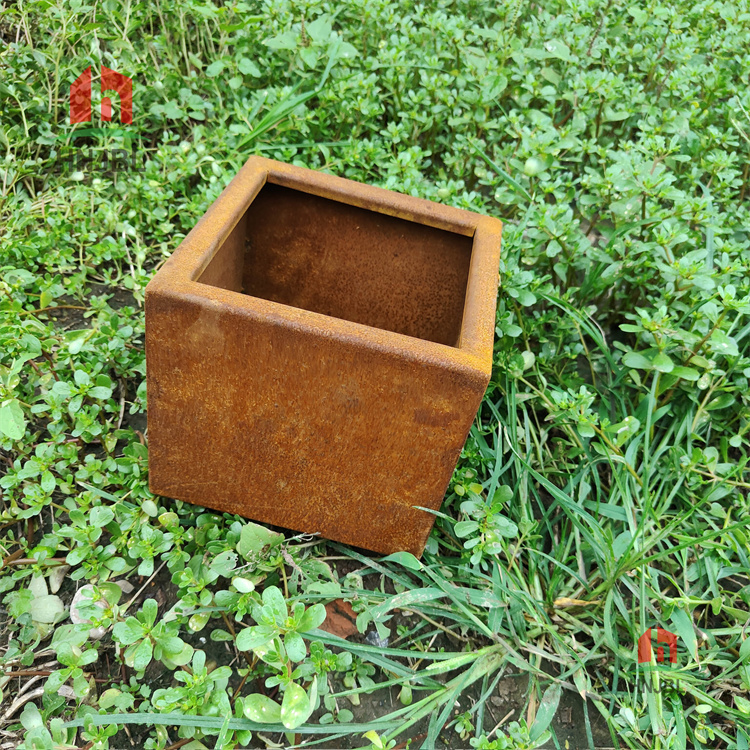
(294, 418)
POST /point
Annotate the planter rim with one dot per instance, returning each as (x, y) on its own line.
(178, 276)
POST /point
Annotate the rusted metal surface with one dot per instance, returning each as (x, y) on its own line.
(316, 352)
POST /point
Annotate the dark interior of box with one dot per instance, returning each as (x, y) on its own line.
(347, 262)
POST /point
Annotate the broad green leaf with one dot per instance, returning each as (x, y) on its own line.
(662, 362)
(181, 658)
(198, 621)
(248, 67)
(141, 655)
(12, 420)
(503, 494)
(221, 635)
(47, 609)
(243, 585)
(199, 662)
(546, 711)
(149, 611)
(31, 717)
(224, 563)
(504, 526)
(48, 482)
(722, 401)
(171, 645)
(221, 673)
(81, 377)
(38, 585)
(252, 638)
(261, 708)
(493, 86)
(624, 430)
(129, 631)
(550, 75)
(295, 646)
(342, 49)
(288, 40)
(557, 48)
(215, 68)
(150, 508)
(686, 373)
(720, 343)
(254, 539)
(404, 558)
(312, 618)
(173, 112)
(615, 115)
(274, 599)
(109, 698)
(295, 707)
(100, 516)
(320, 29)
(464, 528)
(636, 361)
(100, 391)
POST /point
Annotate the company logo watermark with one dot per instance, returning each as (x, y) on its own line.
(92, 160)
(80, 96)
(658, 675)
(662, 637)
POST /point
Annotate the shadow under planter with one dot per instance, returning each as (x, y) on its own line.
(317, 350)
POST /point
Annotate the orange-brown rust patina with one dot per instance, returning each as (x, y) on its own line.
(317, 350)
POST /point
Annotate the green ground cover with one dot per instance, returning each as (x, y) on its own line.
(603, 489)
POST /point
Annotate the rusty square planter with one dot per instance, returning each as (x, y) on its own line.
(317, 350)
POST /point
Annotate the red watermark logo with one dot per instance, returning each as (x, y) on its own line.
(662, 637)
(80, 96)
(652, 672)
(99, 158)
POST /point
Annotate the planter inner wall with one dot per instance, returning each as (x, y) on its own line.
(346, 262)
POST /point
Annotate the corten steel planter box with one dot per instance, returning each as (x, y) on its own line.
(317, 350)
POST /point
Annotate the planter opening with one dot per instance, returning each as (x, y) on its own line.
(346, 262)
